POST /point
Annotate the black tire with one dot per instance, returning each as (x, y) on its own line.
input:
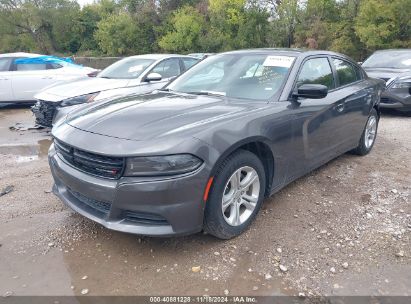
(214, 222)
(362, 149)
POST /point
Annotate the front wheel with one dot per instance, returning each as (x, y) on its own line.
(369, 135)
(236, 196)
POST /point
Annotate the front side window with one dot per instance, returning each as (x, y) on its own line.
(246, 76)
(316, 71)
(168, 68)
(29, 66)
(127, 68)
(345, 72)
(4, 64)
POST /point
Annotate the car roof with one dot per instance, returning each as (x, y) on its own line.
(291, 52)
(159, 56)
(393, 50)
(19, 54)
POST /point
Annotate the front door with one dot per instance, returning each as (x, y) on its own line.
(319, 123)
(29, 78)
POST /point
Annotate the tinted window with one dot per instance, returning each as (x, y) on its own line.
(316, 71)
(4, 64)
(168, 68)
(189, 62)
(358, 72)
(345, 72)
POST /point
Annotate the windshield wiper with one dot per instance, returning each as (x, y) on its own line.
(207, 93)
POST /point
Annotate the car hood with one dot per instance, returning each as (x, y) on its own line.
(384, 73)
(80, 87)
(158, 115)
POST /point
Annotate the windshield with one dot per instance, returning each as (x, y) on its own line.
(392, 59)
(127, 68)
(249, 76)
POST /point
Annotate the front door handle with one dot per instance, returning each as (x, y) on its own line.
(339, 108)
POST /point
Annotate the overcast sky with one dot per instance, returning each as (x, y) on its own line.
(84, 2)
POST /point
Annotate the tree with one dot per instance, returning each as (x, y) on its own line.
(116, 34)
(344, 38)
(188, 25)
(284, 21)
(33, 21)
(384, 23)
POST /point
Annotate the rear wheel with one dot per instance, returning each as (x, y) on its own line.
(369, 135)
(236, 196)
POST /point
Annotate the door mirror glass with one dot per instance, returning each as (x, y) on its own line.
(313, 91)
(153, 77)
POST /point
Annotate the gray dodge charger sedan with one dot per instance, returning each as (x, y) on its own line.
(203, 153)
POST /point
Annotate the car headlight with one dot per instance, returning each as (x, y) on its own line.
(78, 100)
(161, 165)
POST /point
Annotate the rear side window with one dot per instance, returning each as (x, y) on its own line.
(53, 66)
(346, 73)
(316, 71)
(189, 62)
(4, 64)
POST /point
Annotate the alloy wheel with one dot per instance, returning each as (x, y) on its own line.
(240, 196)
(370, 132)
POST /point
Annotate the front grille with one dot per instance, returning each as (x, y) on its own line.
(94, 164)
(144, 218)
(44, 112)
(102, 207)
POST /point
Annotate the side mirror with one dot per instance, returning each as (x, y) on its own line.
(153, 77)
(313, 91)
(359, 62)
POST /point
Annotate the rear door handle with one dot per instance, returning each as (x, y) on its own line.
(340, 107)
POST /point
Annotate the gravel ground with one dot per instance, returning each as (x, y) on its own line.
(344, 229)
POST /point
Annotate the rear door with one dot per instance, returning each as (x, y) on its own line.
(6, 92)
(30, 78)
(356, 95)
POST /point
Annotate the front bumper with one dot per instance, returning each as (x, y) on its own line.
(399, 99)
(145, 206)
(44, 112)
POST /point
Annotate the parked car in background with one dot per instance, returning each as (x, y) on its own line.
(131, 75)
(394, 67)
(203, 152)
(22, 75)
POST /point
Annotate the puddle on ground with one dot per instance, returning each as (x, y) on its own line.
(26, 152)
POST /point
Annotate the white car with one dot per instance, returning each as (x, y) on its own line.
(132, 75)
(22, 75)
